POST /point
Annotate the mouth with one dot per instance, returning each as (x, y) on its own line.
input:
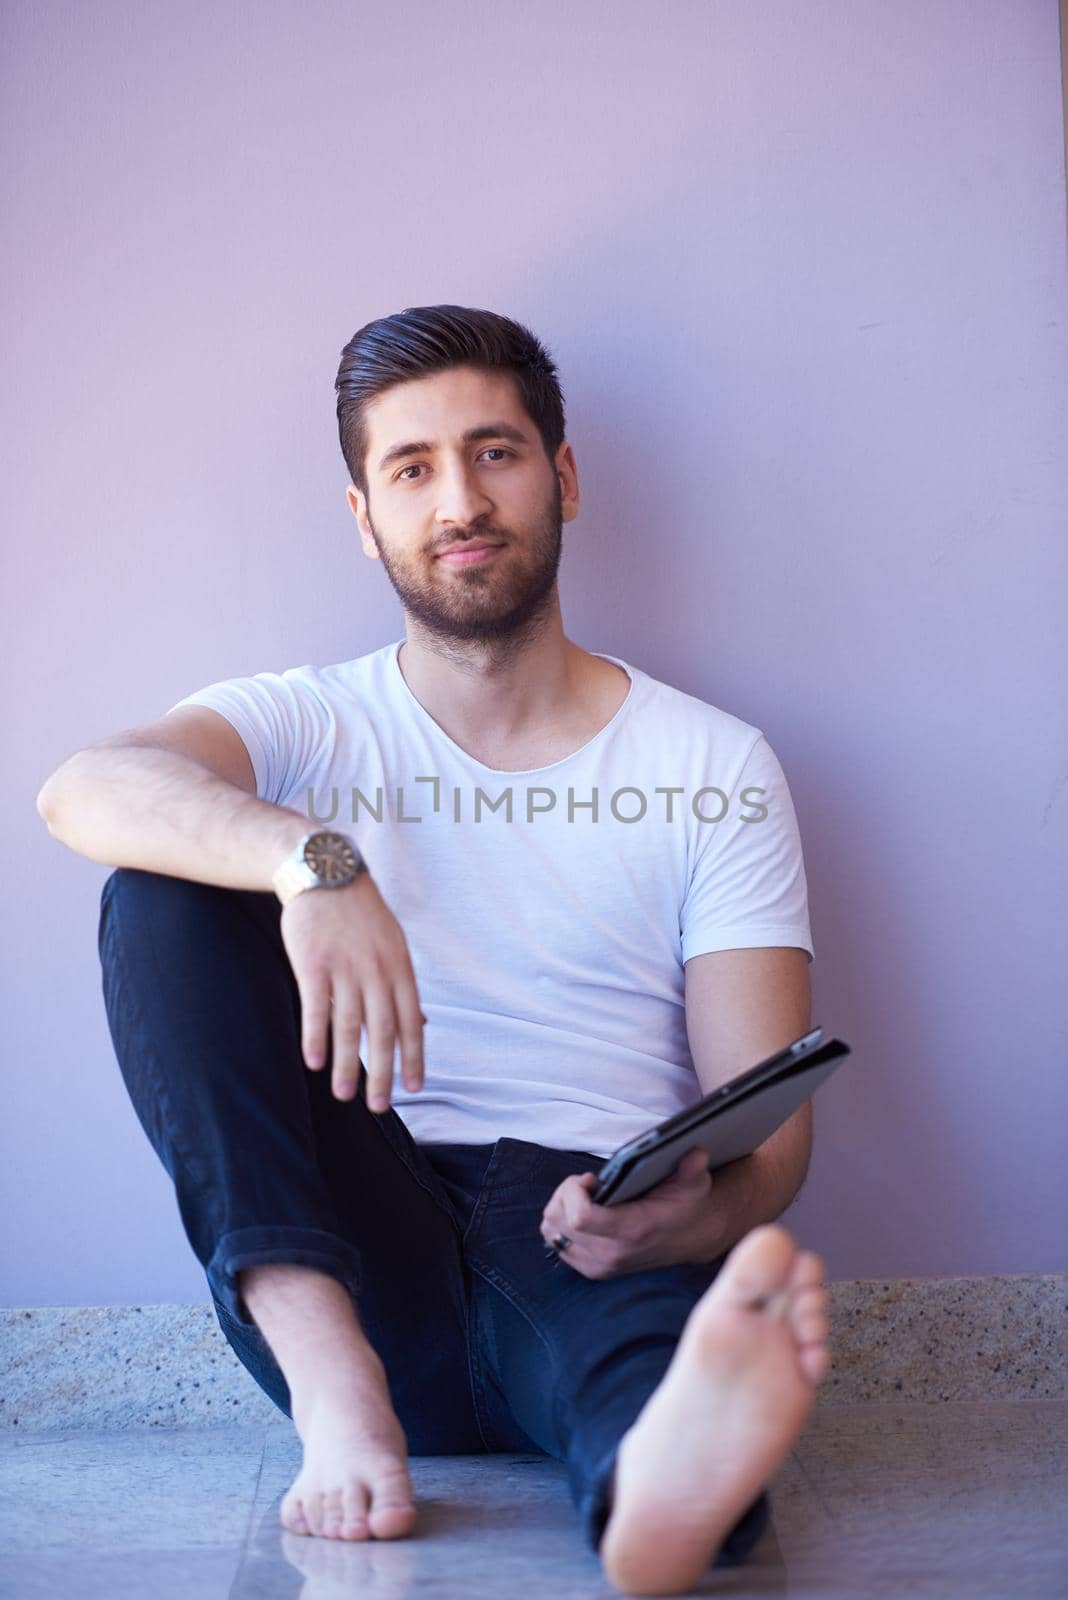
(469, 557)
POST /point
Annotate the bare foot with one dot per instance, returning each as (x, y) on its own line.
(354, 1481)
(736, 1396)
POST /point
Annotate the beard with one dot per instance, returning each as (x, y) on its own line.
(507, 598)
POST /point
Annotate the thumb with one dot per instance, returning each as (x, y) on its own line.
(694, 1164)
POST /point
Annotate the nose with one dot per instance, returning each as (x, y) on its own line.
(461, 495)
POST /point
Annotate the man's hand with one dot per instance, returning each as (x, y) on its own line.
(354, 970)
(656, 1230)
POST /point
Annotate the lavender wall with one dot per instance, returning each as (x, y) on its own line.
(803, 268)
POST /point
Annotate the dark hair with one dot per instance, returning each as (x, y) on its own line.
(425, 339)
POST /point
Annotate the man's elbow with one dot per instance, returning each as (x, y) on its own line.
(46, 802)
(50, 796)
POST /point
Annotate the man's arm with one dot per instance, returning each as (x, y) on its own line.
(742, 1006)
(176, 796)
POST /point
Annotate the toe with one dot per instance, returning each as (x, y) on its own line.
(313, 1511)
(808, 1315)
(333, 1514)
(354, 1518)
(392, 1513)
(759, 1266)
(393, 1489)
(392, 1522)
(292, 1516)
(815, 1361)
(808, 1270)
(810, 1327)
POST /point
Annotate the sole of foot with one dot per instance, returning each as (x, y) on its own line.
(354, 1481)
(740, 1387)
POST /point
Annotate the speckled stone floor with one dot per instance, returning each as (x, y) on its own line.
(939, 1500)
(934, 1466)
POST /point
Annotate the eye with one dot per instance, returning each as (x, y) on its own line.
(493, 448)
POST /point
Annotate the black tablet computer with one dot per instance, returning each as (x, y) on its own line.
(728, 1123)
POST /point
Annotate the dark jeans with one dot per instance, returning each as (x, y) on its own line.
(488, 1343)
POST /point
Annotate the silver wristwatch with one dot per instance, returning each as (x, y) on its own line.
(322, 860)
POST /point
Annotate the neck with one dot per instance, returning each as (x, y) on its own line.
(498, 689)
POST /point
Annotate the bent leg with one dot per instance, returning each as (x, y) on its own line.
(267, 1164)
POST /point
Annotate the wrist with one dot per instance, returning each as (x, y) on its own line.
(321, 858)
(719, 1221)
(736, 1203)
(281, 837)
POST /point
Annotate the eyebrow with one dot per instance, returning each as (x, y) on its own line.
(421, 447)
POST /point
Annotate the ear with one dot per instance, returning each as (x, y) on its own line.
(358, 506)
(567, 472)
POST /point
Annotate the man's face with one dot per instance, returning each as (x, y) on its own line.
(498, 487)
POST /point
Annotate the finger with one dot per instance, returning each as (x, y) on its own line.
(600, 1218)
(380, 1021)
(579, 1211)
(562, 1206)
(411, 1020)
(345, 1029)
(314, 1016)
(692, 1164)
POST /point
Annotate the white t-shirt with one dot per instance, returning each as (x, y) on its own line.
(548, 944)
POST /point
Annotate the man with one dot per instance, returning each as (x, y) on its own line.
(547, 860)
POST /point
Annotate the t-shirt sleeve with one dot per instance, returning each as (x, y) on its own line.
(282, 721)
(748, 886)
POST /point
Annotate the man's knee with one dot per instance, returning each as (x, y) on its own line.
(163, 890)
(129, 891)
(137, 897)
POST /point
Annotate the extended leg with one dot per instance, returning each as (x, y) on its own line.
(736, 1396)
(600, 1373)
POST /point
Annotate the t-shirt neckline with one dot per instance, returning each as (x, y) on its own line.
(511, 772)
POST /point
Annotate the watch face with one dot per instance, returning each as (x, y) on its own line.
(331, 857)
